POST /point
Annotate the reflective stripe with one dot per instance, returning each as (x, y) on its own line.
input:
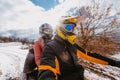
(89, 58)
(57, 65)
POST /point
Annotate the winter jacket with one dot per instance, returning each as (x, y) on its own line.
(33, 57)
(29, 64)
(38, 48)
(32, 60)
(59, 62)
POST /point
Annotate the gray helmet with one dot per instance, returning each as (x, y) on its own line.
(45, 26)
(45, 34)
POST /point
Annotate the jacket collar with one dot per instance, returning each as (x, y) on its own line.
(60, 40)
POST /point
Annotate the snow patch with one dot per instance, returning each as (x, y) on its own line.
(11, 60)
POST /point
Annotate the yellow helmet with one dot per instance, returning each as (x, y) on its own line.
(68, 19)
(65, 36)
(66, 28)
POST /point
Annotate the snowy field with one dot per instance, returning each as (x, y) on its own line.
(12, 59)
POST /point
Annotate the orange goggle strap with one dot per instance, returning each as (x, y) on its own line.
(57, 65)
(89, 58)
(54, 70)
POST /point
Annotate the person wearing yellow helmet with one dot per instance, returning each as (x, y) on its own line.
(59, 60)
(65, 31)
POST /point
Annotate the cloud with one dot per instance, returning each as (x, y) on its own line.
(19, 14)
(61, 1)
(23, 14)
(62, 9)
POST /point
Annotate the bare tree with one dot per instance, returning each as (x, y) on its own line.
(98, 32)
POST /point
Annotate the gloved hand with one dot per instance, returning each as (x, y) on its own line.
(46, 75)
(117, 64)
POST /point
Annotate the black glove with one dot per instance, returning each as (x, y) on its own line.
(46, 75)
(117, 64)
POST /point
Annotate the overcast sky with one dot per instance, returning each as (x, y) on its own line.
(24, 14)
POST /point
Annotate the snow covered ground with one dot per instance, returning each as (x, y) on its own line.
(12, 60)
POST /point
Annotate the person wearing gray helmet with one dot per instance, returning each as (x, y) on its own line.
(32, 60)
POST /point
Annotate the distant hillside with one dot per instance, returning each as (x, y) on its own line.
(29, 34)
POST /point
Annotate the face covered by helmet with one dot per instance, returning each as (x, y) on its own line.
(46, 31)
(66, 29)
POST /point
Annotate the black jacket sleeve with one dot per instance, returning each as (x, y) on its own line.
(47, 64)
(110, 61)
(100, 57)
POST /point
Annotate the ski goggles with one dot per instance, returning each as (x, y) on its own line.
(69, 27)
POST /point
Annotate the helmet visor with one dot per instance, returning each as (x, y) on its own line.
(69, 27)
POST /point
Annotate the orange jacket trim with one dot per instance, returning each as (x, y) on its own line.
(46, 67)
(89, 58)
(55, 70)
(57, 65)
